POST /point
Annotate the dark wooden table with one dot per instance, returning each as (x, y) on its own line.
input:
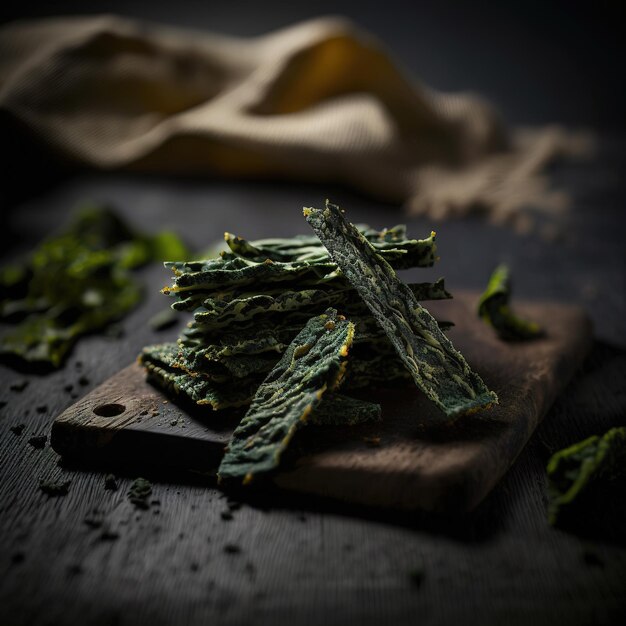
(195, 557)
(92, 558)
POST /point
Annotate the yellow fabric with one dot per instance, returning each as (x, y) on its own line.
(319, 101)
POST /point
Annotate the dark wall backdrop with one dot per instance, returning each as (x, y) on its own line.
(539, 61)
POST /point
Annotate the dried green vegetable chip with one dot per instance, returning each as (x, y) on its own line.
(382, 369)
(391, 243)
(301, 261)
(160, 364)
(574, 470)
(238, 366)
(494, 309)
(438, 369)
(313, 363)
(75, 283)
(335, 409)
(297, 306)
(239, 272)
(243, 305)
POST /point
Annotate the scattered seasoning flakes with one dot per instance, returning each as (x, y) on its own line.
(574, 470)
(592, 559)
(2, 404)
(74, 570)
(493, 308)
(68, 388)
(55, 489)
(437, 368)
(416, 575)
(93, 521)
(139, 492)
(109, 534)
(42, 408)
(232, 548)
(18, 429)
(19, 385)
(226, 516)
(17, 557)
(110, 482)
(83, 381)
(38, 441)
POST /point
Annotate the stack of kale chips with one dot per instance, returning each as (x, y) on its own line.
(249, 303)
(274, 320)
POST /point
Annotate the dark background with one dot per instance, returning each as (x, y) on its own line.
(307, 561)
(550, 61)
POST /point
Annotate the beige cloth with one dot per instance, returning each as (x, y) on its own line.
(318, 101)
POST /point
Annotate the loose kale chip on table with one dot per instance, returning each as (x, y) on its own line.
(494, 309)
(575, 471)
(75, 283)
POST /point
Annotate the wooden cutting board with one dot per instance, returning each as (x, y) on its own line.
(413, 459)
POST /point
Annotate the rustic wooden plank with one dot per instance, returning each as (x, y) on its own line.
(126, 418)
(420, 462)
(304, 560)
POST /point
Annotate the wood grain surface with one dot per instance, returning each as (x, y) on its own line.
(92, 558)
(420, 461)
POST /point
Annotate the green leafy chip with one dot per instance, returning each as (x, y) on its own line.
(494, 309)
(437, 368)
(313, 363)
(572, 471)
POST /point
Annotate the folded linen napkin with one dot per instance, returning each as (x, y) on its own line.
(319, 101)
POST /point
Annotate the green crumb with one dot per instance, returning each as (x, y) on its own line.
(574, 471)
(232, 548)
(416, 576)
(494, 309)
(108, 534)
(110, 482)
(139, 493)
(55, 489)
(19, 385)
(38, 441)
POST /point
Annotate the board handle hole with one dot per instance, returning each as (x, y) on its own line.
(109, 410)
